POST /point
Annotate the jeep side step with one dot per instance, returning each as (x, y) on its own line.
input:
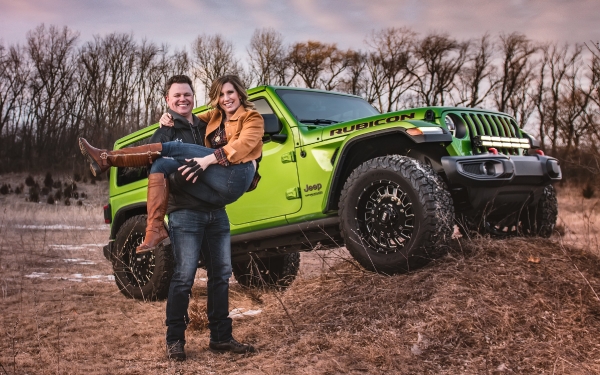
(307, 234)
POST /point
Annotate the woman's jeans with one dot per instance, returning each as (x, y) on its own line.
(217, 185)
(195, 234)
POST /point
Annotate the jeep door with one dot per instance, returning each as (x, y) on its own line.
(277, 193)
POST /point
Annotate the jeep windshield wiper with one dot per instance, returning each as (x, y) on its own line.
(319, 121)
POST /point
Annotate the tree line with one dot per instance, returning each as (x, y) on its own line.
(55, 88)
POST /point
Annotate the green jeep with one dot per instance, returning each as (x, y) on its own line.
(390, 187)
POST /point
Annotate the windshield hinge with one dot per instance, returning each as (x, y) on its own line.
(293, 193)
(289, 157)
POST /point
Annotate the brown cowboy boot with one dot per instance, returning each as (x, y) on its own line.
(158, 197)
(101, 160)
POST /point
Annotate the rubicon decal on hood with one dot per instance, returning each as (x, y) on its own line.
(370, 124)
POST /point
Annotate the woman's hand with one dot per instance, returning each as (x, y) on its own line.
(166, 120)
(195, 166)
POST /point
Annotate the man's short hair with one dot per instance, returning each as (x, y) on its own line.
(180, 78)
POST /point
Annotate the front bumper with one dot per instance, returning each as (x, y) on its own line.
(501, 170)
(498, 182)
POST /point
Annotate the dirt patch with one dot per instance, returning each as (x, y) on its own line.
(488, 306)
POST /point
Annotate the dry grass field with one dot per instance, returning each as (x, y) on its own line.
(512, 306)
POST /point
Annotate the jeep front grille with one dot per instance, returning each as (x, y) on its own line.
(494, 130)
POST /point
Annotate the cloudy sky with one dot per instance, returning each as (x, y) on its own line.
(345, 22)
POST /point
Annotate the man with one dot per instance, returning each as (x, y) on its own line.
(196, 229)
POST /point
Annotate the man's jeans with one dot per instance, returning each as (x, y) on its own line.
(194, 234)
(217, 185)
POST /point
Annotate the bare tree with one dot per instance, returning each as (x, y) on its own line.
(310, 60)
(441, 58)
(212, 58)
(14, 75)
(53, 92)
(553, 70)
(14, 100)
(355, 81)
(574, 107)
(474, 82)
(108, 78)
(390, 65)
(335, 66)
(516, 76)
(267, 58)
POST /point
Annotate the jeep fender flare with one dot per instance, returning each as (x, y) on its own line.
(346, 160)
(124, 213)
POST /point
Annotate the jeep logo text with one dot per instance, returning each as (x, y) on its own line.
(313, 187)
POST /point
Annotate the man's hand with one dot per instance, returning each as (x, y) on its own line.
(166, 120)
(195, 166)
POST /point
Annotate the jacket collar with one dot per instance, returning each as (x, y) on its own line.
(240, 111)
(183, 123)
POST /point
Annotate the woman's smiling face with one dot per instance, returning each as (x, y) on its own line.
(229, 100)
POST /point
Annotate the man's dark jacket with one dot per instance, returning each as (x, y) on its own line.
(184, 132)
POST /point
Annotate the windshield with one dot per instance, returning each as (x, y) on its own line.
(320, 108)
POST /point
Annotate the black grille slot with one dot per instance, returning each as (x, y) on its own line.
(472, 168)
(494, 125)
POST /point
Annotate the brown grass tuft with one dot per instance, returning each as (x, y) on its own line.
(197, 314)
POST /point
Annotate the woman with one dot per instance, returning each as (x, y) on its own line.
(217, 174)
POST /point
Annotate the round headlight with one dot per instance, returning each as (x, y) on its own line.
(450, 124)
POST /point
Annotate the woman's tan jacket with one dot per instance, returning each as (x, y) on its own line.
(244, 133)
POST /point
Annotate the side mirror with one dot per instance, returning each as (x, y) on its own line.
(272, 129)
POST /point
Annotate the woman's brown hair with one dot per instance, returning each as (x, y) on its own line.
(217, 86)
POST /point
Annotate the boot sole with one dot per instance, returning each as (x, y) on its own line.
(94, 167)
(223, 351)
(165, 242)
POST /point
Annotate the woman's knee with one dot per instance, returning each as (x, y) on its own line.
(164, 165)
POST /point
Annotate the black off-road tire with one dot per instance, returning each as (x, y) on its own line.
(395, 214)
(540, 219)
(145, 276)
(272, 271)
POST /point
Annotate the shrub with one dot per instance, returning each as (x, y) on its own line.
(84, 180)
(588, 191)
(76, 177)
(67, 202)
(50, 199)
(4, 189)
(18, 190)
(57, 184)
(45, 190)
(48, 181)
(68, 192)
(29, 181)
(58, 195)
(75, 195)
(93, 181)
(79, 203)
(34, 195)
(83, 195)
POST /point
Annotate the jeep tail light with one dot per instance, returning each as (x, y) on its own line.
(107, 216)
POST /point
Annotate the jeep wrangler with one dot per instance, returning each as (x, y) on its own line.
(390, 187)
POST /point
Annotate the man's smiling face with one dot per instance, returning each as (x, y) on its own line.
(180, 99)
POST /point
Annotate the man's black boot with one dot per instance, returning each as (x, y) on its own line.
(230, 346)
(176, 352)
